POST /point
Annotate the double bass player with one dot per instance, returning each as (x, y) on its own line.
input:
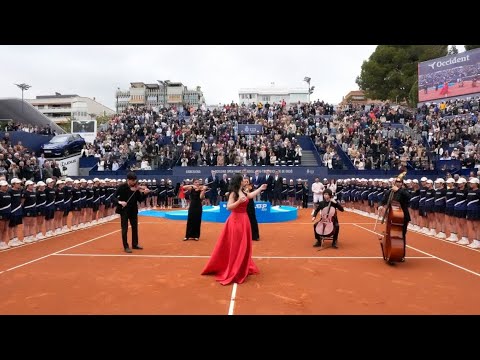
(327, 203)
(401, 198)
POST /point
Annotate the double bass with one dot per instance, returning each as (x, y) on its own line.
(325, 226)
(392, 241)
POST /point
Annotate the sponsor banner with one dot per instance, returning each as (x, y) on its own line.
(250, 129)
(289, 172)
(449, 76)
(68, 166)
(261, 208)
(262, 211)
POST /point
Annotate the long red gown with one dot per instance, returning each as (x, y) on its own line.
(231, 260)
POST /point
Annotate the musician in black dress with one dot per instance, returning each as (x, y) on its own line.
(246, 188)
(194, 220)
(127, 197)
(325, 203)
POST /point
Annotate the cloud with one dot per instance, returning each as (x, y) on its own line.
(221, 70)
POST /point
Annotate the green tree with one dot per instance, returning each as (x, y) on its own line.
(391, 71)
(103, 119)
(471, 47)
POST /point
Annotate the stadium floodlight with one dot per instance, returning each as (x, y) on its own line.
(24, 87)
(310, 89)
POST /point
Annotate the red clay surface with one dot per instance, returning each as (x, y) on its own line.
(453, 91)
(87, 272)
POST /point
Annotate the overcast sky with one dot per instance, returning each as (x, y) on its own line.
(97, 71)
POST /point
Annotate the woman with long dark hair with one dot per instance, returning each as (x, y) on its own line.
(246, 188)
(194, 220)
(231, 260)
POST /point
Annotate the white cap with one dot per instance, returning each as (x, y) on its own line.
(429, 181)
(474, 180)
(49, 180)
(68, 179)
(16, 180)
(439, 180)
(3, 183)
(415, 181)
(89, 182)
(450, 180)
(29, 182)
(41, 183)
(60, 181)
(102, 181)
(423, 179)
(76, 182)
(461, 180)
(96, 179)
(83, 180)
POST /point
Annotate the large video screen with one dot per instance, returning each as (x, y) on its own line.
(449, 76)
(85, 126)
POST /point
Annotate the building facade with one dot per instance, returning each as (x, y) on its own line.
(356, 97)
(63, 108)
(273, 95)
(162, 94)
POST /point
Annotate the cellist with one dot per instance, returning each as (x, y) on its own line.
(402, 198)
(328, 200)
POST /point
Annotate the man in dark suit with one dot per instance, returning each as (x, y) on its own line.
(213, 184)
(256, 181)
(277, 188)
(224, 183)
(127, 197)
(268, 179)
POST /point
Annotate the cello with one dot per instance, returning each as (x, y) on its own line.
(325, 226)
(392, 241)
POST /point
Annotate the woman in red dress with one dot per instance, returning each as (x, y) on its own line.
(231, 260)
(444, 90)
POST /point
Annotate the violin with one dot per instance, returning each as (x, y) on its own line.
(141, 188)
(392, 242)
(325, 226)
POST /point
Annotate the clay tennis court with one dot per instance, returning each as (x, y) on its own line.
(87, 272)
(453, 91)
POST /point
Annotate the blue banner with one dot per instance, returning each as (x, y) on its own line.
(289, 172)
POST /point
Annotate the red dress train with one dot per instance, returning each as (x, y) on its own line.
(231, 260)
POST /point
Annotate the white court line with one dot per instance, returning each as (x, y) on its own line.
(311, 223)
(139, 255)
(56, 252)
(445, 241)
(424, 252)
(254, 257)
(433, 237)
(232, 299)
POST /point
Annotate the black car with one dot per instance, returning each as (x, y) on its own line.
(63, 145)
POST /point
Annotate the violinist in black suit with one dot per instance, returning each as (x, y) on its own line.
(127, 197)
(327, 201)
